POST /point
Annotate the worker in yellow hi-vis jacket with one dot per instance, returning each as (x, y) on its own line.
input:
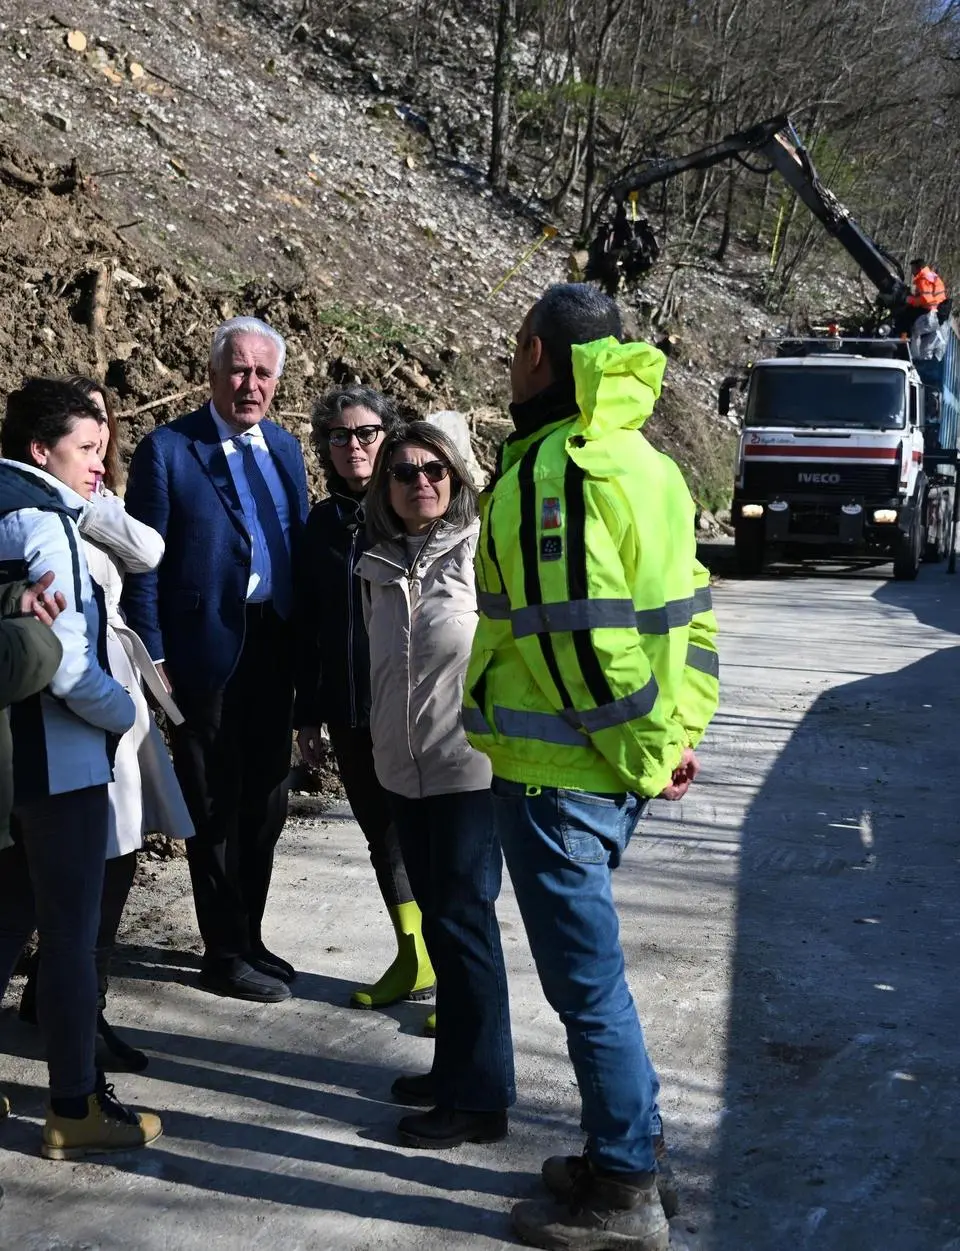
(593, 677)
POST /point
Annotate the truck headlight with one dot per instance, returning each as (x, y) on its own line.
(751, 510)
(885, 516)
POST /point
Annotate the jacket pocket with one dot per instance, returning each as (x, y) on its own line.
(591, 826)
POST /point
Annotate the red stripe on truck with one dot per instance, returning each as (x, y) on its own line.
(831, 453)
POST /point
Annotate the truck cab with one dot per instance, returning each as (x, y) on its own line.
(832, 459)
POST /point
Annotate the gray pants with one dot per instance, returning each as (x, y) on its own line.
(925, 340)
(53, 881)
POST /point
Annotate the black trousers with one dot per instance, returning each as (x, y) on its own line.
(452, 853)
(54, 880)
(353, 748)
(232, 759)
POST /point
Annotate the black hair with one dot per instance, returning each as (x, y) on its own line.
(569, 313)
(43, 410)
(330, 407)
(111, 457)
(918, 262)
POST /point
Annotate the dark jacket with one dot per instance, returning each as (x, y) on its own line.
(333, 658)
(29, 657)
(191, 611)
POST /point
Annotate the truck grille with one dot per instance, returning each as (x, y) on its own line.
(776, 478)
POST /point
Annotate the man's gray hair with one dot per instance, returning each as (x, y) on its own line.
(569, 313)
(228, 330)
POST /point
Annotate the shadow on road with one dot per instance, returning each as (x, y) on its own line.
(843, 1068)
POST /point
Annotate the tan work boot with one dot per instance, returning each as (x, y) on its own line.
(108, 1126)
(560, 1174)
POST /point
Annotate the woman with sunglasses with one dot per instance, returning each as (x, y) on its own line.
(421, 610)
(333, 679)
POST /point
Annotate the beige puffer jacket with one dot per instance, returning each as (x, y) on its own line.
(421, 623)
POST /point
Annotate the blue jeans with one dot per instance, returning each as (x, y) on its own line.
(560, 847)
(455, 867)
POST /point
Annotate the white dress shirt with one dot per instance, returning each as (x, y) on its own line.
(260, 586)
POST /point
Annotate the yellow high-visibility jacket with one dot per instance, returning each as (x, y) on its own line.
(594, 662)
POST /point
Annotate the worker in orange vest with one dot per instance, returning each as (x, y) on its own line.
(927, 293)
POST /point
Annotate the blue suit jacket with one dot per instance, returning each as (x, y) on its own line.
(190, 612)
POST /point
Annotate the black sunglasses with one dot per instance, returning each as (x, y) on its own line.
(340, 436)
(406, 472)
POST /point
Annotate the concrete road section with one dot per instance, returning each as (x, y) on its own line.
(793, 937)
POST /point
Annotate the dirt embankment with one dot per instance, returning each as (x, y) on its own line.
(164, 166)
(75, 296)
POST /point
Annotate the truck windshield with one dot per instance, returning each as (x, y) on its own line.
(862, 397)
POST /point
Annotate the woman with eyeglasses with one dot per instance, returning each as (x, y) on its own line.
(421, 610)
(333, 679)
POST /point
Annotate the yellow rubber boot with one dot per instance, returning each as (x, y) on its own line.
(108, 1126)
(411, 975)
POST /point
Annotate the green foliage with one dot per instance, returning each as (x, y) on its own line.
(363, 329)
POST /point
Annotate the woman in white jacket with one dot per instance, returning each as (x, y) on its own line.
(421, 610)
(144, 795)
(63, 745)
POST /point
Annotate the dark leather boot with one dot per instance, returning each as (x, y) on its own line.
(112, 1052)
(604, 1212)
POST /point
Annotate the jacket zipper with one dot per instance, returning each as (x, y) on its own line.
(351, 563)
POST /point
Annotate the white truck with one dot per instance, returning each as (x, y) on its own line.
(848, 449)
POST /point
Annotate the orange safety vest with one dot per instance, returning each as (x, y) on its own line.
(928, 289)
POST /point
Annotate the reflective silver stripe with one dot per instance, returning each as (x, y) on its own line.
(544, 727)
(674, 613)
(593, 614)
(702, 600)
(704, 659)
(551, 727)
(496, 607)
(475, 722)
(639, 704)
(577, 614)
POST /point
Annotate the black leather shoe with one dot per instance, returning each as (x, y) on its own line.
(274, 966)
(446, 1127)
(119, 1053)
(237, 979)
(416, 1090)
(28, 997)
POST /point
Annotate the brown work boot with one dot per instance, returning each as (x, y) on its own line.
(107, 1126)
(604, 1212)
(560, 1174)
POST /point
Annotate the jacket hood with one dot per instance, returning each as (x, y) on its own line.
(25, 486)
(617, 385)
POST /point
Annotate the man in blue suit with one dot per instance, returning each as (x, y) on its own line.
(228, 492)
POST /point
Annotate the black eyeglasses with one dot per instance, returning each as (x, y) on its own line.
(340, 436)
(407, 472)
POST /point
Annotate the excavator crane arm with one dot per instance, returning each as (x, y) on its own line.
(624, 249)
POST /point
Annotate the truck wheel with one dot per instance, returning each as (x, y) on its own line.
(906, 558)
(748, 544)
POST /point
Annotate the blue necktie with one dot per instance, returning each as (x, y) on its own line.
(269, 519)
